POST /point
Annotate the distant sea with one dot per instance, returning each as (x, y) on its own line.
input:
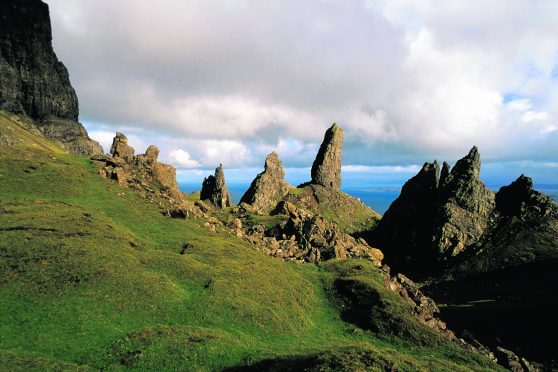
(377, 198)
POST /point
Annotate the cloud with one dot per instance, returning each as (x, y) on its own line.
(181, 159)
(228, 82)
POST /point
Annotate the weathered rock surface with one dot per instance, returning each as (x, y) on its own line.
(145, 174)
(326, 169)
(269, 187)
(33, 82)
(120, 148)
(440, 216)
(214, 189)
(466, 206)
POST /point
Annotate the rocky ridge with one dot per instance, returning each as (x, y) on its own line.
(268, 188)
(443, 216)
(146, 175)
(33, 82)
(215, 191)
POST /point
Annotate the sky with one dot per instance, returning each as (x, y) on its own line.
(409, 81)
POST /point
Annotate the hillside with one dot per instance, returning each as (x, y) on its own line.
(94, 278)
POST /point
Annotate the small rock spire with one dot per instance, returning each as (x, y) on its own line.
(214, 189)
(326, 170)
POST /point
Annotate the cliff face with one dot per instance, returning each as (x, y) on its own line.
(33, 82)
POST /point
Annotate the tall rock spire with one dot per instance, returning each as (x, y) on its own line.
(326, 170)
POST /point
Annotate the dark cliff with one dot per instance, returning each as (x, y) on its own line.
(449, 221)
(33, 82)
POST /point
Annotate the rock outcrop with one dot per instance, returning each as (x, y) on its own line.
(465, 207)
(120, 148)
(326, 169)
(441, 215)
(33, 82)
(269, 187)
(146, 175)
(214, 189)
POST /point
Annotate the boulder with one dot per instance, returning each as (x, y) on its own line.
(269, 187)
(326, 169)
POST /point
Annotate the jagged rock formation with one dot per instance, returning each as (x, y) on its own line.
(326, 169)
(442, 219)
(145, 174)
(214, 189)
(465, 207)
(33, 82)
(269, 187)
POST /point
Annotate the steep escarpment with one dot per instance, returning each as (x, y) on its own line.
(33, 82)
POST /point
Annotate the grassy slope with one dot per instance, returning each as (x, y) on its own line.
(92, 278)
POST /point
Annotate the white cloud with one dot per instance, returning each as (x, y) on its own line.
(181, 159)
(229, 82)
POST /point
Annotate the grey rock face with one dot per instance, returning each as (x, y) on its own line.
(437, 216)
(326, 170)
(465, 207)
(269, 187)
(33, 82)
(437, 220)
(214, 189)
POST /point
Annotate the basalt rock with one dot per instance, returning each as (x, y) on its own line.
(214, 189)
(443, 219)
(145, 174)
(437, 216)
(269, 187)
(465, 208)
(33, 82)
(405, 232)
(326, 170)
(120, 148)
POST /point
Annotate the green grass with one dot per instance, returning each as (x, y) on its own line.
(92, 277)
